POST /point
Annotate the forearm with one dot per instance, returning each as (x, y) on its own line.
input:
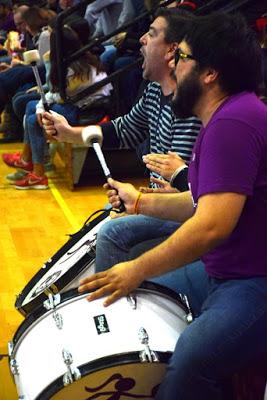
(172, 206)
(186, 245)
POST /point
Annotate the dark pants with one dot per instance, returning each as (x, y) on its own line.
(12, 79)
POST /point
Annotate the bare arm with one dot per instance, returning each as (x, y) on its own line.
(171, 206)
(214, 220)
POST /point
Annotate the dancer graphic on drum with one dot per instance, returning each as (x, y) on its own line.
(122, 386)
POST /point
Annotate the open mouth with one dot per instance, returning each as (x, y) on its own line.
(144, 58)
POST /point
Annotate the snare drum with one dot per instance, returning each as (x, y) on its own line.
(62, 272)
(82, 350)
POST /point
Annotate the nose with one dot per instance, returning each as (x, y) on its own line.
(142, 39)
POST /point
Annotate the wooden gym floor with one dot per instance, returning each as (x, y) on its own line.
(34, 224)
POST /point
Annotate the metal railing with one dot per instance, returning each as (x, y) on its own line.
(64, 62)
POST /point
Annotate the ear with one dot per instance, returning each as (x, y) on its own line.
(169, 56)
(210, 75)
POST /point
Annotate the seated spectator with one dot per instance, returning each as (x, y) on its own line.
(81, 74)
(6, 16)
(19, 76)
(103, 15)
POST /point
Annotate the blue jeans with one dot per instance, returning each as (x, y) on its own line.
(12, 79)
(33, 133)
(229, 335)
(117, 237)
(229, 331)
(20, 101)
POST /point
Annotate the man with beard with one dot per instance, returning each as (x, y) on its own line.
(151, 116)
(224, 215)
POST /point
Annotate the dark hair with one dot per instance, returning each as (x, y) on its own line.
(178, 22)
(70, 44)
(37, 18)
(226, 43)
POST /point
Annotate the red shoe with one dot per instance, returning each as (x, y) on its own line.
(32, 181)
(15, 160)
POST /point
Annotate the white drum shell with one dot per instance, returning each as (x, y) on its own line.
(39, 351)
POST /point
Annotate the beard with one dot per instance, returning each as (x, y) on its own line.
(188, 92)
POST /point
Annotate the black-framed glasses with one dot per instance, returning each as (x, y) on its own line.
(180, 54)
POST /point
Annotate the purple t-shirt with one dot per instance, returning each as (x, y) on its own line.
(230, 155)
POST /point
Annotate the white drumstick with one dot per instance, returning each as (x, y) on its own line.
(92, 136)
(31, 57)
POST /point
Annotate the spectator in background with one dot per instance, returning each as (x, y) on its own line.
(103, 16)
(81, 73)
(6, 16)
(25, 40)
(20, 76)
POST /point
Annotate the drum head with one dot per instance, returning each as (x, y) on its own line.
(77, 255)
(116, 377)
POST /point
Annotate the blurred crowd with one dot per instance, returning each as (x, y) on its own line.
(26, 25)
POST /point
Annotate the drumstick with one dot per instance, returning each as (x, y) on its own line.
(92, 136)
(31, 57)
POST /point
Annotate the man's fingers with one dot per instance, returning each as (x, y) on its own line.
(92, 282)
(112, 192)
(112, 298)
(157, 180)
(101, 292)
(153, 168)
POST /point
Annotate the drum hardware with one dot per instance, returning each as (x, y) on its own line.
(132, 301)
(147, 354)
(50, 304)
(14, 368)
(51, 355)
(63, 271)
(73, 373)
(189, 316)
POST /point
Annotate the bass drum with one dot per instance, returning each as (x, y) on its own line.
(62, 272)
(82, 350)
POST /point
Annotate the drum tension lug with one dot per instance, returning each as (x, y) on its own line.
(189, 316)
(146, 355)
(132, 300)
(52, 301)
(51, 304)
(73, 373)
(14, 368)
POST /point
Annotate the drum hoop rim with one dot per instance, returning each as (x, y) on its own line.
(40, 312)
(101, 364)
(42, 271)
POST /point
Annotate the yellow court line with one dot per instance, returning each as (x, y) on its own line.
(64, 207)
(9, 151)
